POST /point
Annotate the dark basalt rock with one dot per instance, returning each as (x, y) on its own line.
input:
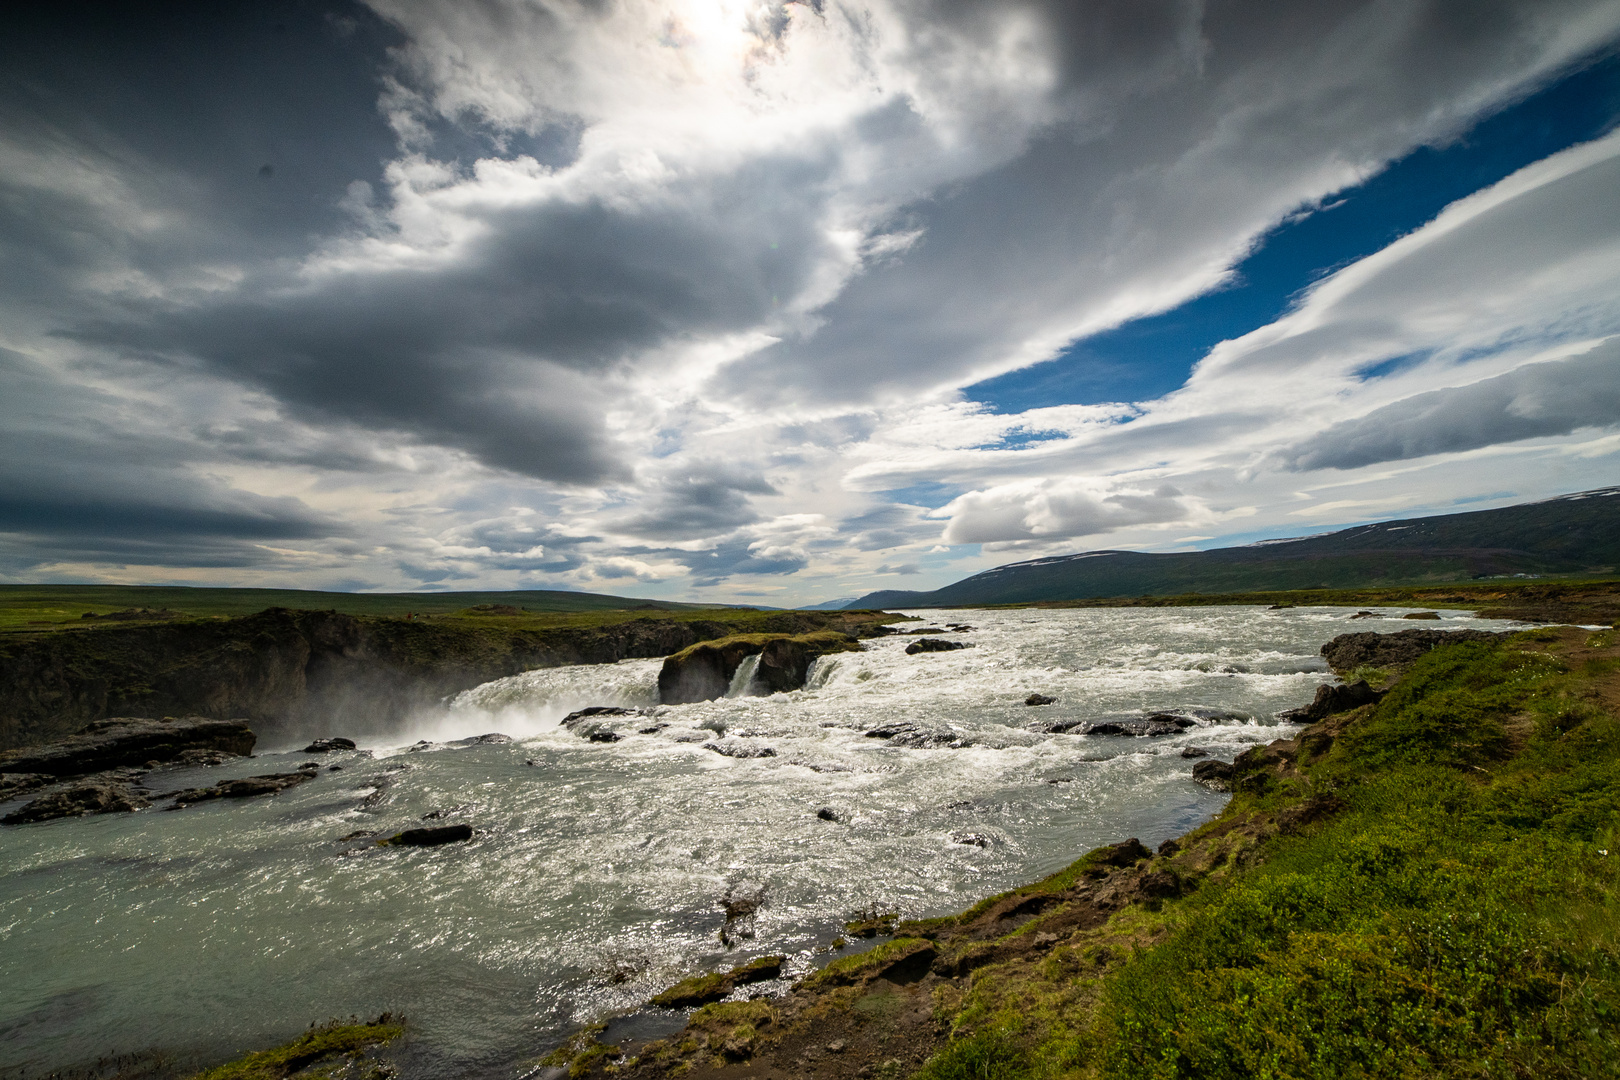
(921, 630)
(92, 796)
(971, 839)
(1040, 699)
(245, 788)
(1215, 775)
(827, 813)
(905, 733)
(1350, 651)
(326, 746)
(433, 837)
(1148, 728)
(1123, 854)
(574, 719)
(1422, 615)
(493, 738)
(704, 671)
(1194, 752)
(1364, 615)
(740, 750)
(128, 741)
(1331, 699)
(602, 735)
(934, 644)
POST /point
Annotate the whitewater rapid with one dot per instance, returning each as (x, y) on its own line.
(595, 875)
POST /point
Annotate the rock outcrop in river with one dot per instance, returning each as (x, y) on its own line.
(704, 671)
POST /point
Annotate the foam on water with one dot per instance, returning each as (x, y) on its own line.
(595, 875)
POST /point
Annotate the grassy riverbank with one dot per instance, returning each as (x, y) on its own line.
(1421, 887)
(1595, 601)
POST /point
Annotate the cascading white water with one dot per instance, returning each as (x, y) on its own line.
(742, 680)
(595, 873)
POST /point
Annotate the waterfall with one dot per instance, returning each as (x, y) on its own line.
(742, 683)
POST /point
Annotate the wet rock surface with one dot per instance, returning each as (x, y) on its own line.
(245, 788)
(738, 749)
(326, 746)
(130, 741)
(430, 837)
(108, 793)
(1215, 775)
(1040, 699)
(918, 736)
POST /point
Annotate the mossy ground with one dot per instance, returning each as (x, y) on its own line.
(331, 1050)
(1422, 888)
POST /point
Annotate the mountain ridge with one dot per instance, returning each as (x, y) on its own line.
(1567, 534)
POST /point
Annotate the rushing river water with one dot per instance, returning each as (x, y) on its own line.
(595, 875)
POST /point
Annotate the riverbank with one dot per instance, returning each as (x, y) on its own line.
(1425, 884)
(1573, 601)
(295, 673)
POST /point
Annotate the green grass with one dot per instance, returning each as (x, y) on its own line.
(35, 607)
(330, 1040)
(1459, 918)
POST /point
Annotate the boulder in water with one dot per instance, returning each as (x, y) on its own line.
(1040, 699)
(1422, 615)
(326, 746)
(430, 837)
(934, 644)
(1147, 728)
(739, 749)
(827, 813)
(245, 788)
(1194, 752)
(574, 719)
(95, 795)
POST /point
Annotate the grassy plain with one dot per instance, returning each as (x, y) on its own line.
(45, 607)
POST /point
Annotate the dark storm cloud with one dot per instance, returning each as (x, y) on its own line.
(1534, 401)
(703, 498)
(734, 557)
(77, 483)
(886, 527)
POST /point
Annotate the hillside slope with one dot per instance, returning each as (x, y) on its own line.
(1572, 534)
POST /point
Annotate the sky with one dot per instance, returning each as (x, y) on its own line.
(777, 303)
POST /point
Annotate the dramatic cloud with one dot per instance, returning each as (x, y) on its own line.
(682, 295)
(1054, 509)
(1530, 402)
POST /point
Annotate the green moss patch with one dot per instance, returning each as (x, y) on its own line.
(319, 1044)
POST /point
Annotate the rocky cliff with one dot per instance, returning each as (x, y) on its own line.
(296, 673)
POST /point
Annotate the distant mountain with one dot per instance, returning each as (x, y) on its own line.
(831, 605)
(1572, 534)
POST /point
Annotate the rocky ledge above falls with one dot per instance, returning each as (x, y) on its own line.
(287, 672)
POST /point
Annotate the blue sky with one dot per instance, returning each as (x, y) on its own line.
(773, 303)
(1151, 356)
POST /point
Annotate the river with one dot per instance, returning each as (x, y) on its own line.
(597, 869)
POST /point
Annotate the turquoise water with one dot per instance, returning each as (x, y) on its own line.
(596, 871)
